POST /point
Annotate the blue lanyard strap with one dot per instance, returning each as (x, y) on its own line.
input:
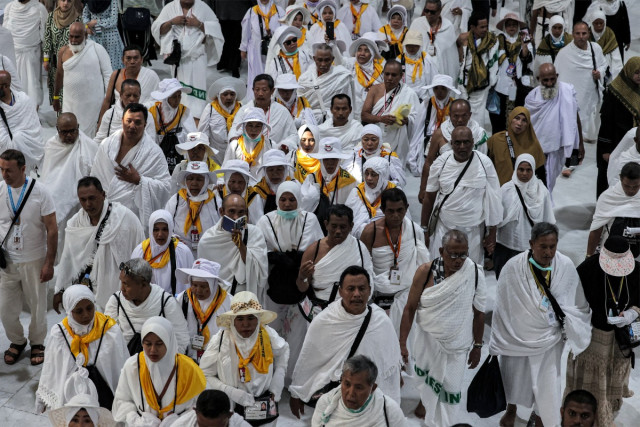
(24, 187)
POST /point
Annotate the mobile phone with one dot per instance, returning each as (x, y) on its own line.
(330, 30)
(526, 37)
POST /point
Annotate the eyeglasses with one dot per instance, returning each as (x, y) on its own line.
(67, 132)
(290, 41)
(430, 12)
(457, 256)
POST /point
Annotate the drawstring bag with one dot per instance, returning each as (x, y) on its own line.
(485, 395)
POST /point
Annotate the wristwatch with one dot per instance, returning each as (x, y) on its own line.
(425, 228)
(478, 345)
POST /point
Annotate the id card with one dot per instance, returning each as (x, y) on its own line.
(197, 342)
(394, 276)
(511, 69)
(545, 304)
(242, 375)
(634, 332)
(195, 237)
(431, 50)
(16, 242)
(262, 409)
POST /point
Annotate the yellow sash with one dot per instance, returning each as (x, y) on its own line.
(393, 40)
(250, 157)
(267, 18)
(158, 119)
(153, 260)
(356, 17)
(194, 210)
(80, 344)
(202, 317)
(418, 65)
(345, 179)
(296, 63)
(372, 207)
(301, 40)
(261, 356)
(335, 23)
(305, 165)
(362, 78)
(227, 116)
(191, 382)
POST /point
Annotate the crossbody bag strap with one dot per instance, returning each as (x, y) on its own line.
(595, 67)
(512, 152)
(261, 25)
(66, 340)
(457, 180)
(552, 300)
(125, 314)
(365, 205)
(304, 225)
(524, 206)
(19, 211)
(95, 359)
(6, 123)
(384, 409)
(274, 232)
(427, 120)
(172, 258)
(360, 335)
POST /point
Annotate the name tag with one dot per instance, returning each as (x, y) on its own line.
(394, 276)
(545, 304)
(431, 50)
(195, 237)
(262, 409)
(16, 242)
(197, 342)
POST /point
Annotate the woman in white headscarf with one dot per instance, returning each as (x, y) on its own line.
(196, 149)
(193, 209)
(298, 16)
(550, 45)
(327, 12)
(607, 39)
(158, 381)
(163, 252)
(88, 338)
(365, 199)
(247, 360)
(239, 180)
(371, 146)
(288, 231)
(308, 140)
(205, 298)
(284, 55)
(514, 231)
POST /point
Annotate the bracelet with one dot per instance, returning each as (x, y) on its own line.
(45, 59)
(56, 97)
(478, 345)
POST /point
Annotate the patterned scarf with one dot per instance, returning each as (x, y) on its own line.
(478, 77)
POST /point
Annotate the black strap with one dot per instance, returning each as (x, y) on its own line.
(512, 152)
(113, 111)
(125, 313)
(595, 67)
(427, 120)
(415, 239)
(524, 206)
(361, 332)
(178, 201)
(163, 301)
(6, 123)
(315, 254)
(95, 359)
(220, 342)
(274, 233)
(185, 304)
(384, 409)
(260, 18)
(365, 205)
(112, 98)
(334, 293)
(547, 290)
(172, 258)
(140, 384)
(17, 215)
(360, 250)
(284, 69)
(458, 179)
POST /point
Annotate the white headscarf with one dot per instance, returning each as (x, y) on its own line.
(288, 230)
(161, 369)
(225, 89)
(227, 177)
(325, 175)
(319, 12)
(381, 167)
(71, 412)
(314, 131)
(71, 297)
(371, 129)
(245, 345)
(160, 215)
(597, 14)
(554, 20)
(168, 112)
(203, 194)
(533, 193)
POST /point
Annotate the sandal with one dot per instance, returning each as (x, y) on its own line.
(34, 355)
(13, 356)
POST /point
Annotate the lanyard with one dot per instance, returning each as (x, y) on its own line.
(512, 153)
(388, 102)
(24, 187)
(615, 297)
(394, 248)
(194, 219)
(432, 34)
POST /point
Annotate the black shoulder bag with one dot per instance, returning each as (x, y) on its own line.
(524, 206)
(6, 123)
(3, 260)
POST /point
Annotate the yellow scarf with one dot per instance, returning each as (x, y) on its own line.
(303, 30)
(194, 209)
(441, 114)
(345, 179)
(227, 116)
(305, 165)
(314, 17)
(80, 344)
(362, 78)
(261, 356)
(393, 40)
(296, 62)
(372, 207)
(202, 317)
(478, 76)
(356, 16)
(158, 119)
(152, 260)
(267, 17)
(335, 23)
(417, 63)
(510, 50)
(250, 157)
(191, 382)
(263, 189)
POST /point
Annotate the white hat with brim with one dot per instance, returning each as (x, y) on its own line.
(295, 9)
(202, 269)
(368, 41)
(330, 148)
(199, 168)
(616, 258)
(237, 166)
(193, 140)
(413, 37)
(253, 114)
(238, 86)
(442, 80)
(283, 32)
(274, 157)
(287, 81)
(245, 303)
(510, 17)
(58, 417)
(168, 87)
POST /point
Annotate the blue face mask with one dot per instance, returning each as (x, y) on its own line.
(288, 214)
(291, 53)
(253, 140)
(538, 266)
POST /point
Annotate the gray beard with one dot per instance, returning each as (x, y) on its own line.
(77, 48)
(549, 92)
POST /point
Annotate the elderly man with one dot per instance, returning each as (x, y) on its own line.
(138, 299)
(27, 20)
(540, 305)
(97, 239)
(357, 401)
(68, 156)
(439, 37)
(318, 370)
(277, 116)
(392, 105)
(112, 118)
(341, 125)
(239, 248)
(30, 251)
(464, 193)
(140, 179)
(628, 150)
(449, 296)
(322, 80)
(20, 128)
(554, 116)
(190, 39)
(83, 73)
(583, 64)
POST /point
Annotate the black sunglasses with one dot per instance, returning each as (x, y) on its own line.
(290, 41)
(430, 12)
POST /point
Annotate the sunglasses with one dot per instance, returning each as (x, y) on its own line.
(290, 41)
(430, 12)
(67, 132)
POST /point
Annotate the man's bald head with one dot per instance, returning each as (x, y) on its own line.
(67, 126)
(77, 33)
(462, 143)
(547, 75)
(67, 118)
(5, 77)
(234, 206)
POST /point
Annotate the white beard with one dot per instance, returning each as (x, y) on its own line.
(549, 92)
(77, 48)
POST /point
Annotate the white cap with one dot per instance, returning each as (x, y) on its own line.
(168, 87)
(330, 148)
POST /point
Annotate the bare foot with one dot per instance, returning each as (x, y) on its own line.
(509, 417)
(420, 412)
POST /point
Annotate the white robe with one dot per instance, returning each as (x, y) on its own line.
(381, 411)
(523, 336)
(369, 19)
(360, 91)
(209, 216)
(337, 80)
(459, 22)
(112, 122)
(7, 46)
(121, 234)
(354, 164)
(310, 192)
(277, 66)
(613, 203)
(200, 49)
(24, 123)
(336, 329)
(148, 159)
(149, 82)
(574, 66)
(150, 307)
(27, 22)
(349, 134)
(446, 52)
(162, 276)
(423, 77)
(190, 419)
(216, 245)
(480, 135)
(417, 149)
(443, 339)
(278, 117)
(8, 65)
(214, 126)
(624, 153)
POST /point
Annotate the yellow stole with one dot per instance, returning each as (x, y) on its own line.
(372, 207)
(203, 316)
(296, 62)
(301, 40)
(417, 65)
(227, 116)
(393, 40)
(157, 118)
(377, 72)
(305, 165)
(441, 114)
(80, 344)
(164, 257)
(191, 382)
(335, 23)
(194, 208)
(267, 17)
(250, 157)
(345, 179)
(263, 189)
(356, 16)
(261, 356)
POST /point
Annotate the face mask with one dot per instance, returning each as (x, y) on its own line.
(291, 53)
(538, 266)
(253, 140)
(288, 214)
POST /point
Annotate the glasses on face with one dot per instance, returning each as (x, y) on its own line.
(457, 256)
(290, 41)
(67, 132)
(430, 12)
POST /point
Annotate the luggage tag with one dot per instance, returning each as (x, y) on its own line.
(195, 237)
(394, 276)
(197, 342)
(16, 243)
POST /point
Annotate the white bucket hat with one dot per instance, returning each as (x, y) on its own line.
(193, 140)
(413, 37)
(253, 114)
(199, 168)
(227, 83)
(283, 32)
(240, 166)
(274, 157)
(243, 304)
(202, 269)
(168, 87)
(330, 148)
(291, 11)
(443, 80)
(287, 81)
(368, 39)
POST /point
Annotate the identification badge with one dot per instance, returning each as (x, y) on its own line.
(394, 276)
(16, 243)
(551, 318)
(545, 304)
(242, 375)
(431, 50)
(195, 237)
(197, 342)
(263, 408)
(634, 332)
(511, 69)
